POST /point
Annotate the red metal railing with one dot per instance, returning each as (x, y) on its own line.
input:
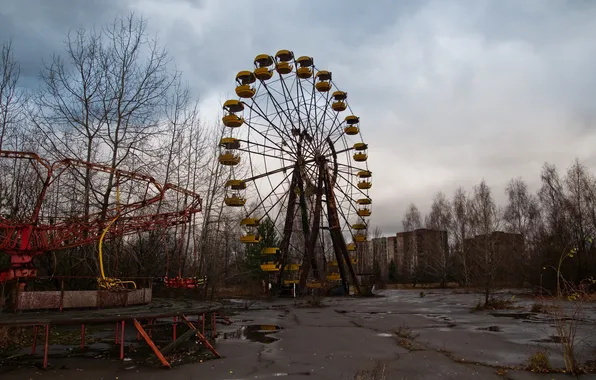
(30, 236)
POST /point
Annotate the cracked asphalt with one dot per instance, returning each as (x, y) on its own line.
(350, 334)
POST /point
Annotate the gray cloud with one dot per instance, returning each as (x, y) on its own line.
(448, 92)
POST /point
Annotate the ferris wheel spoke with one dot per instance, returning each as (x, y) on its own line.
(279, 108)
(280, 131)
(359, 190)
(269, 148)
(264, 154)
(344, 217)
(334, 153)
(351, 166)
(336, 131)
(262, 199)
(269, 173)
(335, 128)
(321, 121)
(339, 136)
(251, 127)
(280, 209)
(328, 114)
(306, 111)
(287, 94)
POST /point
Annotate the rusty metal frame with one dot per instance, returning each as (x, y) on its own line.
(24, 239)
(46, 320)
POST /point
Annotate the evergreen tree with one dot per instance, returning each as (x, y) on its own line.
(269, 238)
(392, 272)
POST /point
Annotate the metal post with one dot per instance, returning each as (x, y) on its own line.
(117, 333)
(541, 284)
(45, 347)
(203, 320)
(122, 341)
(174, 330)
(82, 336)
(213, 325)
(34, 345)
(61, 293)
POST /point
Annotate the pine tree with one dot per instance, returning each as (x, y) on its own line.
(269, 238)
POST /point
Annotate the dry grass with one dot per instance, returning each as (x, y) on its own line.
(240, 292)
(12, 337)
(434, 285)
(494, 303)
(377, 373)
(538, 308)
(406, 336)
(539, 362)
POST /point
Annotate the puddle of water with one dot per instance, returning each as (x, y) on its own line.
(513, 315)
(254, 333)
(292, 374)
(550, 339)
(385, 335)
(490, 328)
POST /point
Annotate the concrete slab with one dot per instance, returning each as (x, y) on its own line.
(347, 335)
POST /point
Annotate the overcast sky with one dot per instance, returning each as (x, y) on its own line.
(448, 92)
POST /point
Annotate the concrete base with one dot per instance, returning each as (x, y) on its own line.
(79, 299)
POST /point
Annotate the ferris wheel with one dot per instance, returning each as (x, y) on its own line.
(296, 160)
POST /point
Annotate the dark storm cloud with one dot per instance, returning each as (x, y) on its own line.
(39, 28)
(449, 92)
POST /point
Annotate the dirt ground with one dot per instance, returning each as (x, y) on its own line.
(431, 337)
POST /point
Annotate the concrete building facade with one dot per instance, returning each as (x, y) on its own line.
(506, 250)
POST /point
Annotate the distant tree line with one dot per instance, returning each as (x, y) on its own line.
(559, 217)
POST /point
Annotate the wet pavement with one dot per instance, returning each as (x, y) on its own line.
(283, 339)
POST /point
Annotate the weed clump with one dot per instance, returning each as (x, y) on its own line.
(377, 373)
(406, 336)
(539, 362)
(14, 337)
(538, 308)
(494, 304)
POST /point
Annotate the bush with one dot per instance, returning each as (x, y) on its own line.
(494, 304)
(538, 308)
(539, 362)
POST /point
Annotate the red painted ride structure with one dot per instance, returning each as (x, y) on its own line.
(27, 237)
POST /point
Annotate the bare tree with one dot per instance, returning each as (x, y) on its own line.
(379, 256)
(68, 114)
(579, 185)
(522, 216)
(438, 261)
(12, 99)
(137, 81)
(522, 211)
(412, 220)
(461, 229)
(485, 219)
(553, 204)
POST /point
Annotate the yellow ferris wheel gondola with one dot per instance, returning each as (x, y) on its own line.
(304, 71)
(244, 80)
(231, 118)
